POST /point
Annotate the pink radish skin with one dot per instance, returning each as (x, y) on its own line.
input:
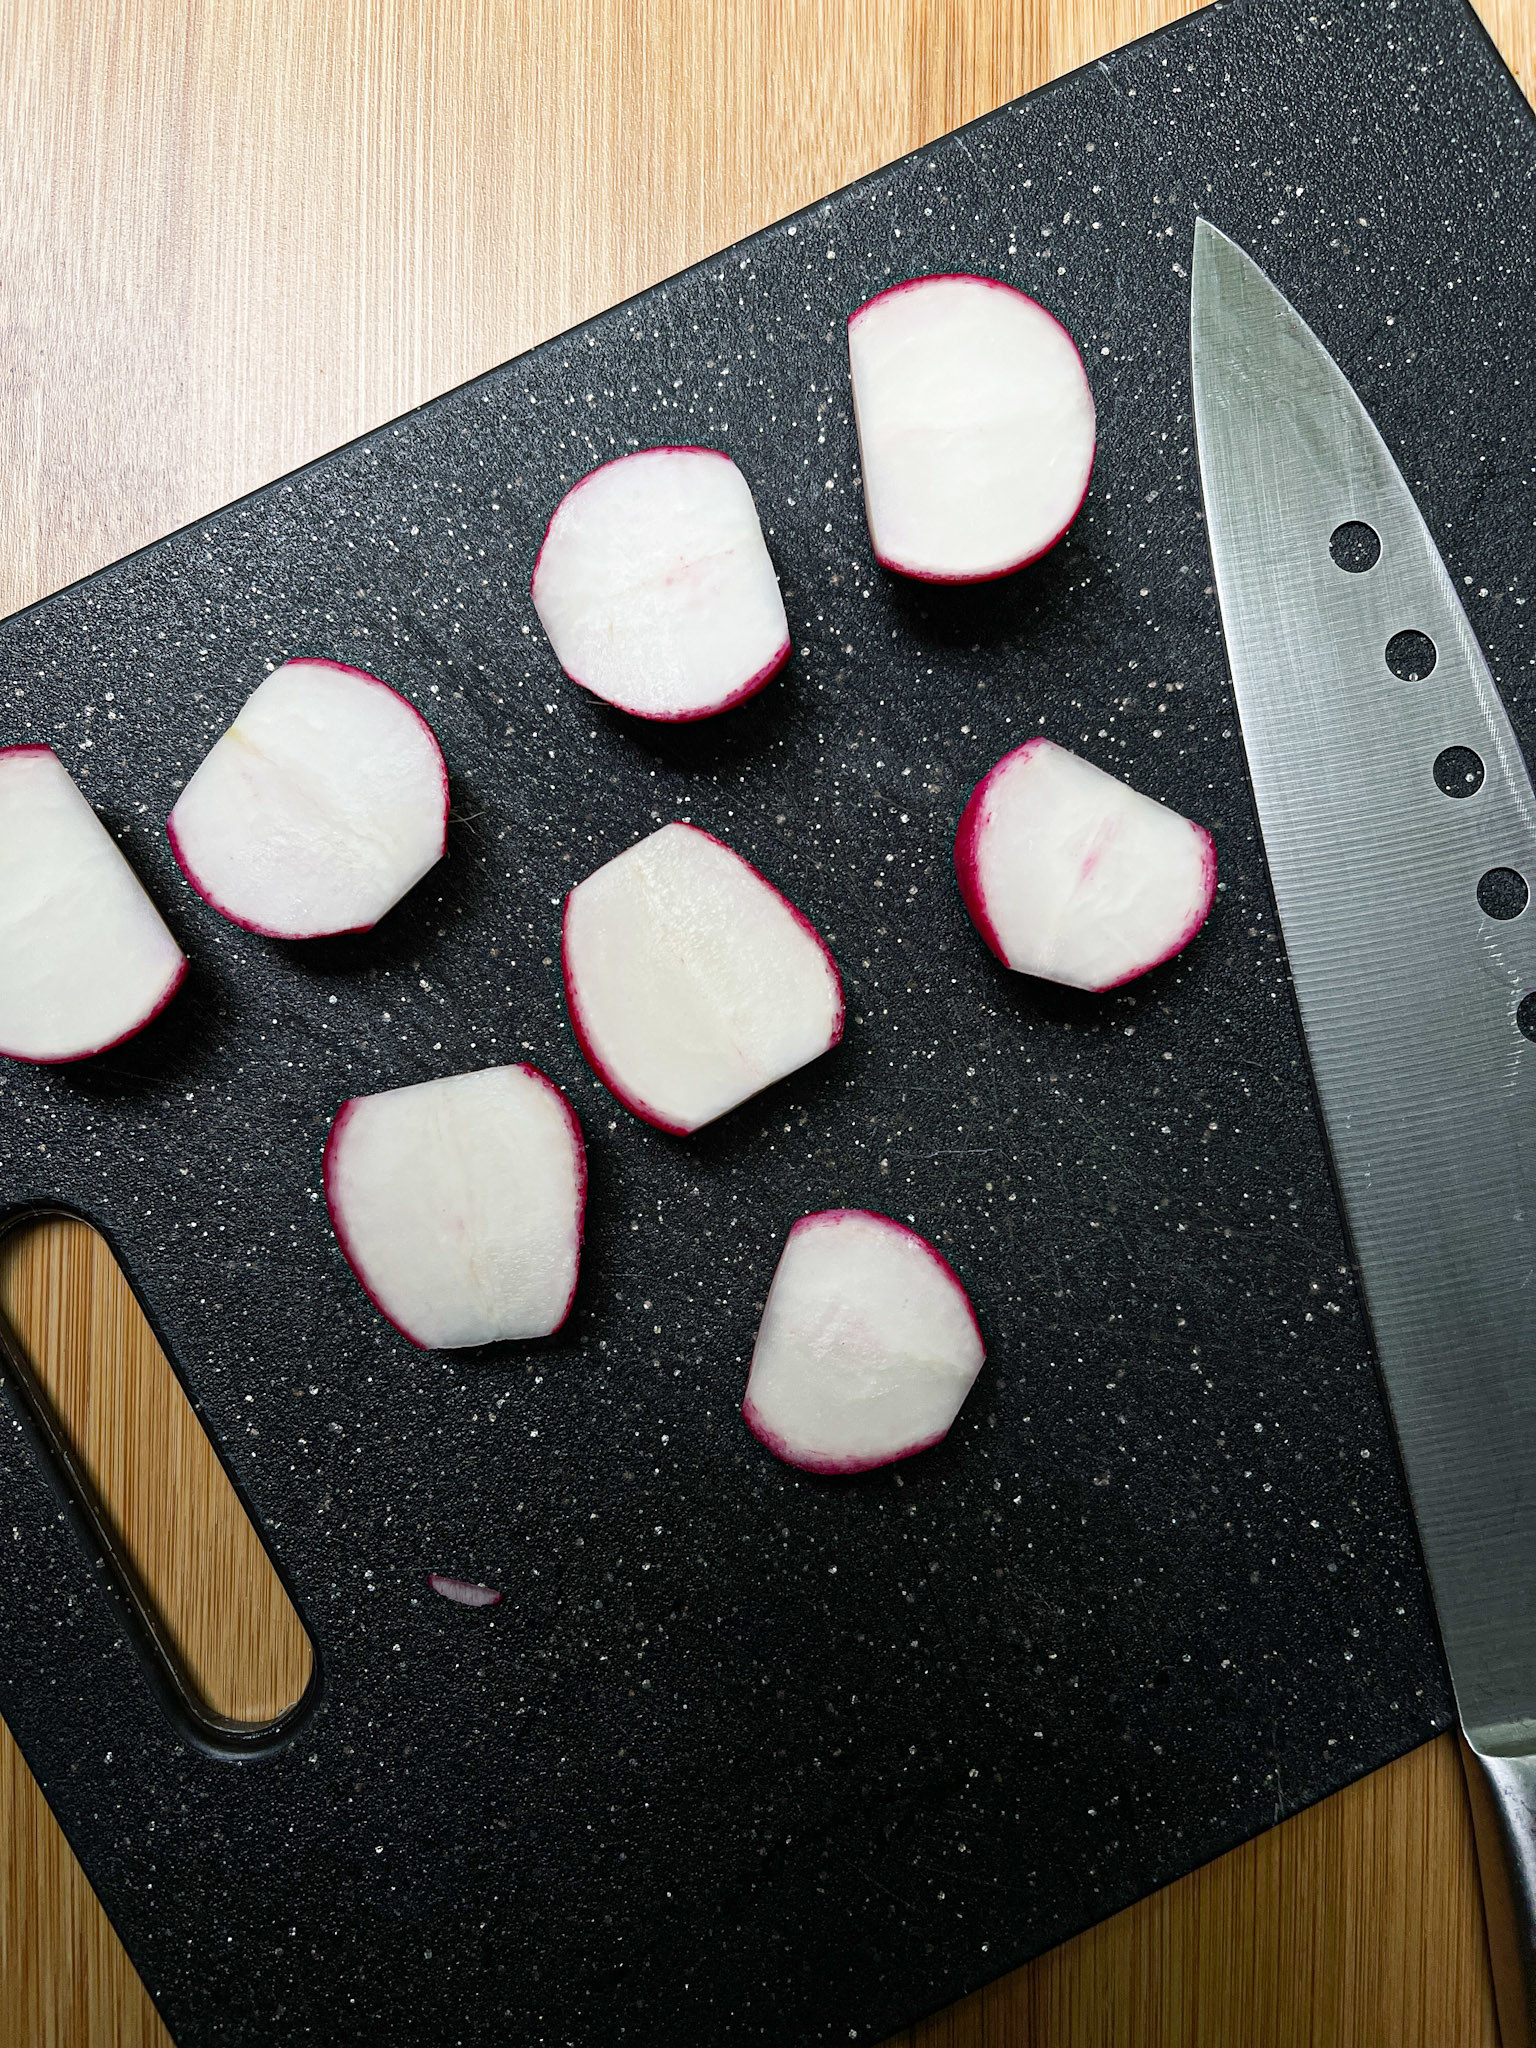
(657, 640)
(961, 432)
(412, 1310)
(824, 1372)
(749, 688)
(1119, 842)
(233, 862)
(463, 1592)
(68, 1059)
(827, 1468)
(639, 893)
(590, 1053)
(93, 962)
(967, 836)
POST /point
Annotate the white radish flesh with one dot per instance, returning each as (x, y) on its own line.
(692, 983)
(976, 427)
(867, 1346)
(459, 1204)
(1072, 875)
(655, 587)
(88, 961)
(325, 801)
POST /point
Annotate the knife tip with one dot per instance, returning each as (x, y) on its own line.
(1209, 238)
(1221, 266)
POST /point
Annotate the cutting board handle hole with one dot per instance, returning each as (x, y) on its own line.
(1355, 546)
(129, 1452)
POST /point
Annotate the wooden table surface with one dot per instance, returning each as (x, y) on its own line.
(234, 233)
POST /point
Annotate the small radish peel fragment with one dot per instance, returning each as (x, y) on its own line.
(692, 983)
(88, 959)
(465, 1592)
(1072, 875)
(867, 1346)
(459, 1204)
(976, 427)
(325, 801)
(655, 586)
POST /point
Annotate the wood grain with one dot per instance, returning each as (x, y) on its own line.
(1357, 1924)
(234, 233)
(167, 1500)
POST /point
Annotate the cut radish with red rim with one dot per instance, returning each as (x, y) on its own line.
(867, 1347)
(976, 427)
(1072, 875)
(459, 1204)
(463, 1592)
(655, 586)
(325, 801)
(692, 983)
(88, 959)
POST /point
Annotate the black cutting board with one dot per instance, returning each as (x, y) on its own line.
(748, 1756)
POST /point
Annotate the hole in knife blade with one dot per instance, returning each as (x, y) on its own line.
(1411, 655)
(1525, 1016)
(1355, 547)
(1458, 772)
(1503, 893)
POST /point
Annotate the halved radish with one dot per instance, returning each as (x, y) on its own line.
(867, 1346)
(1073, 875)
(692, 983)
(976, 427)
(325, 801)
(655, 587)
(88, 961)
(459, 1204)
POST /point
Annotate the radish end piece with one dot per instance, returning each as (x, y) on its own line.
(463, 1592)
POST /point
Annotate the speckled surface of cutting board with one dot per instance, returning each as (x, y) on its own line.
(747, 1756)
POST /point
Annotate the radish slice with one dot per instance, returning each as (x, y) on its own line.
(1072, 875)
(322, 805)
(459, 1204)
(655, 587)
(464, 1592)
(88, 961)
(867, 1347)
(976, 427)
(692, 983)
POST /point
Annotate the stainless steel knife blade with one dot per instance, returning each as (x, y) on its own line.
(1400, 828)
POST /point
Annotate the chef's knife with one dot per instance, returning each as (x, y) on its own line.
(1400, 830)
